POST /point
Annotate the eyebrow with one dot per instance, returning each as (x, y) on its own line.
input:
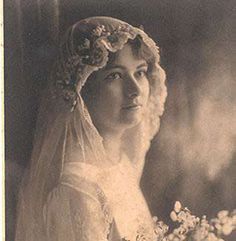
(142, 65)
(123, 67)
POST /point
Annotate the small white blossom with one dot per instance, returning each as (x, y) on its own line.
(222, 214)
(227, 229)
(177, 206)
(173, 216)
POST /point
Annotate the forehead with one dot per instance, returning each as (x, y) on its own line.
(126, 57)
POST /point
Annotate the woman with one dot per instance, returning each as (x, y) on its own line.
(97, 118)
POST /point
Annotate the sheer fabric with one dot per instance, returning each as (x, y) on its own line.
(67, 193)
(120, 196)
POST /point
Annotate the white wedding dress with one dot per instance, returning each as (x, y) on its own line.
(91, 203)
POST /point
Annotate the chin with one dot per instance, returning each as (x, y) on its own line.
(132, 120)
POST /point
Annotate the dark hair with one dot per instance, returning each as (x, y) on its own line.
(139, 48)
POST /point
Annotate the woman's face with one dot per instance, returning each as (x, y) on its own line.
(121, 98)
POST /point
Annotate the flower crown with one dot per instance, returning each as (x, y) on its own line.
(90, 55)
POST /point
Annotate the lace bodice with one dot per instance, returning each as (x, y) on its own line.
(118, 193)
(103, 204)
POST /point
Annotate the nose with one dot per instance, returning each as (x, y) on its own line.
(133, 88)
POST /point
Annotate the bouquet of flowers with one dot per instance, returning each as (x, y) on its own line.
(192, 228)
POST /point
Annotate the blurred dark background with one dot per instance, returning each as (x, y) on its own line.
(193, 157)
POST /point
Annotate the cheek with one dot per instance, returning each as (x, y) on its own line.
(145, 89)
(112, 94)
(110, 100)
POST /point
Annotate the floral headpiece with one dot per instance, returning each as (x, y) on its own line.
(76, 63)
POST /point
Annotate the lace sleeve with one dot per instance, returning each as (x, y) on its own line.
(73, 216)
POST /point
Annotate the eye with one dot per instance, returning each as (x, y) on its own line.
(114, 76)
(141, 73)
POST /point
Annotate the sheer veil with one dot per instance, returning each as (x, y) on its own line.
(65, 131)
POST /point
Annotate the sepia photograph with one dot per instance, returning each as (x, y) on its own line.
(120, 120)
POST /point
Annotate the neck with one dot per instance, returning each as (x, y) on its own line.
(112, 145)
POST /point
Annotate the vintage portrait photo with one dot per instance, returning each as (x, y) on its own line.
(120, 120)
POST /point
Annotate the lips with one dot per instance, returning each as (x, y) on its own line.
(132, 107)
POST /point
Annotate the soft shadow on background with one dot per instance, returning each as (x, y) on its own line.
(193, 157)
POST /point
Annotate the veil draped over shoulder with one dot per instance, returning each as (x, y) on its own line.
(65, 132)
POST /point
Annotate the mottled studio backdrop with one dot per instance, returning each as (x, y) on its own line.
(193, 157)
